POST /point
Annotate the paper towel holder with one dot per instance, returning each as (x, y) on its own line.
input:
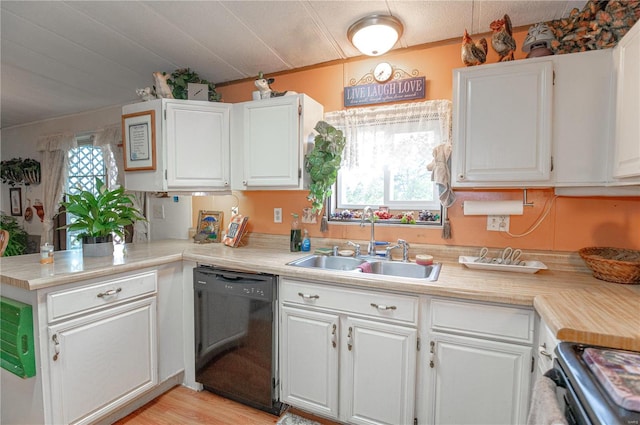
(524, 199)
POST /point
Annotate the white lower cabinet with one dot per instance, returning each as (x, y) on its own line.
(102, 346)
(101, 361)
(476, 363)
(354, 364)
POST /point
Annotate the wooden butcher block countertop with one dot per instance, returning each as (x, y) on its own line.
(607, 316)
(576, 306)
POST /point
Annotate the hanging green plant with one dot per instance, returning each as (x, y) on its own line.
(323, 162)
(20, 171)
(180, 79)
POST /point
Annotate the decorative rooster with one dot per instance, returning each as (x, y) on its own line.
(502, 38)
(473, 53)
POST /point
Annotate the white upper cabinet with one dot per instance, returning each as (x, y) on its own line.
(502, 124)
(627, 147)
(271, 138)
(583, 118)
(192, 146)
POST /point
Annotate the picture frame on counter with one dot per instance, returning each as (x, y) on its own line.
(139, 141)
(235, 232)
(209, 226)
(15, 195)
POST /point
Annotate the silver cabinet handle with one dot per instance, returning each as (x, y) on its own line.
(383, 307)
(56, 347)
(109, 293)
(350, 339)
(542, 350)
(333, 336)
(308, 297)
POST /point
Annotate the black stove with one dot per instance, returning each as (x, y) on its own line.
(586, 401)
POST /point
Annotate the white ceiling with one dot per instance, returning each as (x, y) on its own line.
(63, 57)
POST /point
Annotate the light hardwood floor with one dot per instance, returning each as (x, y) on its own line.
(183, 406)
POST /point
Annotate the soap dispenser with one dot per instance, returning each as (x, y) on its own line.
(306, 242)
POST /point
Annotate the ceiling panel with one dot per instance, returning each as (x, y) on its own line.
(64, 57)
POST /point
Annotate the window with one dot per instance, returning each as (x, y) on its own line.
(86, 162)
(386, 156)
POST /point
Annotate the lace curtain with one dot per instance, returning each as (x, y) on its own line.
(360, 127)
(110, 140)
(53, 150)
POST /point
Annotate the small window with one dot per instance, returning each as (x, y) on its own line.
(385, 161)
(86, 162)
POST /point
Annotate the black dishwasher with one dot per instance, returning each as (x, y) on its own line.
(235, 337)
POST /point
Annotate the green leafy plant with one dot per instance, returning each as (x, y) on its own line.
(17, 236)
(179, 82)
(323, 162)
(101, 215)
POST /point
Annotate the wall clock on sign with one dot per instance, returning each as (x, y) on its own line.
(383, 72)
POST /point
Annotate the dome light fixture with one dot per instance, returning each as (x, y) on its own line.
(375, 35)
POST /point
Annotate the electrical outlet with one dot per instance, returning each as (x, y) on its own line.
(498, 223)
(157, 211)
(277, 215)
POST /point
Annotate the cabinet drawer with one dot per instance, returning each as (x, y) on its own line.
(489, 321)
(402, 308)
(62, 304)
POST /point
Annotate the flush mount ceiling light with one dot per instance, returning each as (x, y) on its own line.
(375, 35)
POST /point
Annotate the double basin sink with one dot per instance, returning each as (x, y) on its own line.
(374, 266)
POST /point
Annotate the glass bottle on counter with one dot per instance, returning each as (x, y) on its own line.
(295, 241)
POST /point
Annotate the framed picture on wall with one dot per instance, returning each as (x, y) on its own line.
(15, 194)
(209, 226)
(139, 141)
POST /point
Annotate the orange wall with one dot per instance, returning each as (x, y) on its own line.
(572, 223)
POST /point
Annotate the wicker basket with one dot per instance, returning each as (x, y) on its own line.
(613, 264)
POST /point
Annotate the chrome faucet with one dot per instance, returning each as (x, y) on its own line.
(371, 248)
(405, 250)
(356, 248)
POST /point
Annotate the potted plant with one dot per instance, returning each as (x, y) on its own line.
(18, 237)
(323, 163)
(99, 217)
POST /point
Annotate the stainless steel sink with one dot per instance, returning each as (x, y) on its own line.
(381, 267)
(326, 262)
(394, 268)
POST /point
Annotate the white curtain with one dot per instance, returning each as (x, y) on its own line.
(110, 140)
(402, 117)
(361, 125)
(53, 149)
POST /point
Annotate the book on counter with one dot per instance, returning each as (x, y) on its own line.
(235, 231)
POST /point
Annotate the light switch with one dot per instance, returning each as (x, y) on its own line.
(158, 211)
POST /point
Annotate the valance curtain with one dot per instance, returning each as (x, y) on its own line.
(54, 152)
(363, 126)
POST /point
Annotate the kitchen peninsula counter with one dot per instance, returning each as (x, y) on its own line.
(576, 306)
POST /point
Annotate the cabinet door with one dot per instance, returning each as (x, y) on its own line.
(627, 155)
(380, 372)
(101, 361)
(581, 145)
(272, 142)
(198, 143)
(475, 381)
(502, 124)
(309, 360)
